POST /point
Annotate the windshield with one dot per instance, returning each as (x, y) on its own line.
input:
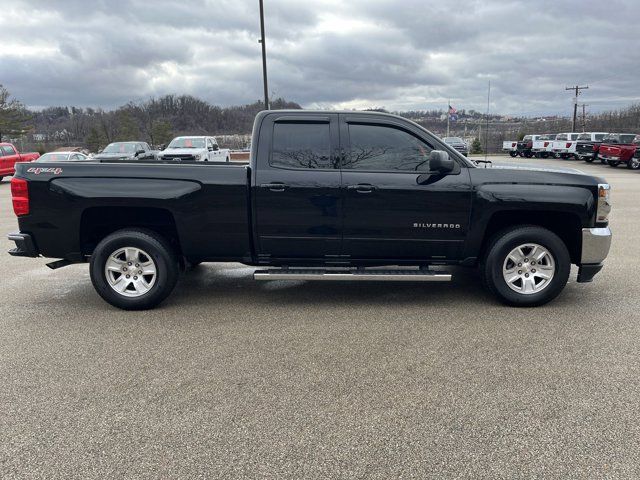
(120, 147)
(611, 138)
(53, 157)
(187, 142)
(584, 136)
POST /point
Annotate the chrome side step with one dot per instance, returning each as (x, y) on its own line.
(352, 275)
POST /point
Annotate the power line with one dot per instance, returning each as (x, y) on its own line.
(575, 103)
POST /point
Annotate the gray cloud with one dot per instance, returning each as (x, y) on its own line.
(413, 54)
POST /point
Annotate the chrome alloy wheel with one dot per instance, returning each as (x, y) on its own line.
(529, 268)
(130, 271)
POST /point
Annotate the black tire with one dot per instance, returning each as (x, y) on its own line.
(513, 154)
(589, 159)
(528, 154)
(1, 178)
(158, 249)
(603, 161)
(544, 155)
(613, 163)
(499, 248)
(633, 163)
(556, 155)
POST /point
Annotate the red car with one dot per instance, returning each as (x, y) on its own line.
(620, 148)
(9, 156)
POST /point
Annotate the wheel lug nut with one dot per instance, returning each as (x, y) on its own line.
(137, 264)
(128, 276)
(533, 271)
(533, 263)
(526, 259)
(526, 275)
(124, 269)
(519, 264)
(129, 263)
(135, 278)
(519, 272)
(139, 272)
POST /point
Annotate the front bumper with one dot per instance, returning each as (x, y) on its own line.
(25, 247)
(595, 244)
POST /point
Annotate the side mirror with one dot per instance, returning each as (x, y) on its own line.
(139, 152)
(440, 163)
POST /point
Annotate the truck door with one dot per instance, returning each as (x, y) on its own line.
(388, 214)
(297, 196)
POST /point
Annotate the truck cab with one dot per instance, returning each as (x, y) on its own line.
(9, 156)
(525, 146)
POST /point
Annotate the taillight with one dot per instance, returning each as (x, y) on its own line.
(20, 196)
(546, 144)
(595, 148)
(530, 144)
(568, 144)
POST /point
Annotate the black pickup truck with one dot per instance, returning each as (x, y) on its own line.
(325, 196)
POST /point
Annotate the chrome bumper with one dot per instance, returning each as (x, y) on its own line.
(595, 245)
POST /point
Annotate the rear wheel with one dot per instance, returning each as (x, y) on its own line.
(526, 266)
(134, 269)
(513, 154)
(544, 155)
(589, 159)
(613, 163)
(633, 163)
(528, 154)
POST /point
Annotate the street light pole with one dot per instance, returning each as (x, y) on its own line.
(264, 58)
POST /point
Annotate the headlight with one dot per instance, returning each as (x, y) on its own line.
(604, 204)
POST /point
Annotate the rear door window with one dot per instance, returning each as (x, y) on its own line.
(301, 145)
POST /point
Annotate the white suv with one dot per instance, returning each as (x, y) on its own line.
(200, 149)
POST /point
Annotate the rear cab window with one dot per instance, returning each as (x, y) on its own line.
(301, 145)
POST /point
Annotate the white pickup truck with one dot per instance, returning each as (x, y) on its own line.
(200, 149)
(511, 147)
(543, 145)
(564, 146)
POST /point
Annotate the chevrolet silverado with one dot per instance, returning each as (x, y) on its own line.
(325, 196)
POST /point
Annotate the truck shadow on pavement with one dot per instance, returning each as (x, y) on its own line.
(209, 283)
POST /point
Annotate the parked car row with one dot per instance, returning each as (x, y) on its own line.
(611, 148)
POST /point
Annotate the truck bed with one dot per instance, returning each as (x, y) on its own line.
(206, 203)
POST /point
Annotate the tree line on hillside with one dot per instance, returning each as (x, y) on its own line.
(157, 120)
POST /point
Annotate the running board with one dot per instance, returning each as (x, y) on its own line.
(353, 275)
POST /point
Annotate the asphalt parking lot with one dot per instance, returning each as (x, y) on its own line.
(236, 379)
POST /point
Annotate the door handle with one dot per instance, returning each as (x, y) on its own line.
(275, 186)
(362, 188)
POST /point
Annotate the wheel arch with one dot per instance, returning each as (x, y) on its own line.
(98, 222)
(566, 225)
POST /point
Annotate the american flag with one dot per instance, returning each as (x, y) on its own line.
(453, 114)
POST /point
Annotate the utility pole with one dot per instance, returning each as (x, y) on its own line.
(584, 116)
(264, 58)
(575, 103)
(486, 133)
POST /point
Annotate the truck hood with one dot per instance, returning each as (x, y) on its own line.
(184, 151)
(534, 174)
(111, 156)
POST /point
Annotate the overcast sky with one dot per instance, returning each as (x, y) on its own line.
(409, 54)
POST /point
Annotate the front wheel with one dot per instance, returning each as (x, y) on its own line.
(633, 163)
(134, 269)
(588, 159)
(513, 154)
(526, 266)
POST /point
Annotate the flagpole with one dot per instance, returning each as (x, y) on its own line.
(448, 115)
